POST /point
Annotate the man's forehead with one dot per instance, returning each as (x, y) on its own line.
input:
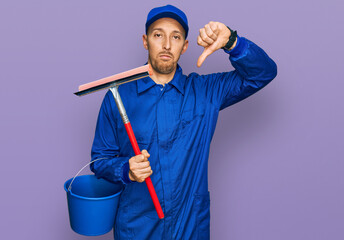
(167, 23)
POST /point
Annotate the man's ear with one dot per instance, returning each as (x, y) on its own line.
(185, 47)
(145, 41)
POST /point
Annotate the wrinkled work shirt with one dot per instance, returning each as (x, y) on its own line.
(175, 123)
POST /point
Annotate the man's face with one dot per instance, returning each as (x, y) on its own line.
(165, 42)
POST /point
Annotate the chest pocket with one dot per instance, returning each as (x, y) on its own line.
(142, 134)
(192, 124)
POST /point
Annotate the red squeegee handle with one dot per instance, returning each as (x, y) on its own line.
(148, 180)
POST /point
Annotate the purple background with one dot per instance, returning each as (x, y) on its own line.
(276, 163)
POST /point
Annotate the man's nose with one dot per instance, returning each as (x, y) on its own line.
(167, 44)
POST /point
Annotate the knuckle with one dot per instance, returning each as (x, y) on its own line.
(209, 39)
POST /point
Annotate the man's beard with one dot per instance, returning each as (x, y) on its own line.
(162, 67)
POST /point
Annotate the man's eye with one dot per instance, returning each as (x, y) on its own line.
(157, 35)
(176, 37)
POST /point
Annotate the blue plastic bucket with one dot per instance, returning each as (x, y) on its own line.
(92, 204)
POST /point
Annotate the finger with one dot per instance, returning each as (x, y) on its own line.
(142, 165)
(145, 153)
(201, 42)
(148, 174)
(140, 158)
(138, 165)
(143, 171)
(143, 177)
(205, 37)
(137, 159)
(214, 27)
(204, 55)
(140, 173)
(210, 32)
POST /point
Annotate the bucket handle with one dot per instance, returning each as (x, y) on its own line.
(70, 185)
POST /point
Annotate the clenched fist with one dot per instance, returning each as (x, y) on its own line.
(212, 37)
(139, 167)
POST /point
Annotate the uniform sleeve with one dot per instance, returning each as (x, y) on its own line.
(254, 69)
(110, 165)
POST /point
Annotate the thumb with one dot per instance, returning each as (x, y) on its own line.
(145, 153)
(206, 52)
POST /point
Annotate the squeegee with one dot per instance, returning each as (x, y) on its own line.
(113, 82)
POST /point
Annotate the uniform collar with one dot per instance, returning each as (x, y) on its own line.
(177, 81)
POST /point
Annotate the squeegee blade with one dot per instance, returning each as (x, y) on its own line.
(94, 87)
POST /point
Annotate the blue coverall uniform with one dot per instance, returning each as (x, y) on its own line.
(175, 123)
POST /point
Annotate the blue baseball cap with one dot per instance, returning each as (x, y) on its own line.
(168, 11)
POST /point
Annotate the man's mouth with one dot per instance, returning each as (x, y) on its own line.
(165, 56)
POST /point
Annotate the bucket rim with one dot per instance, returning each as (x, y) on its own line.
(90, 198)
